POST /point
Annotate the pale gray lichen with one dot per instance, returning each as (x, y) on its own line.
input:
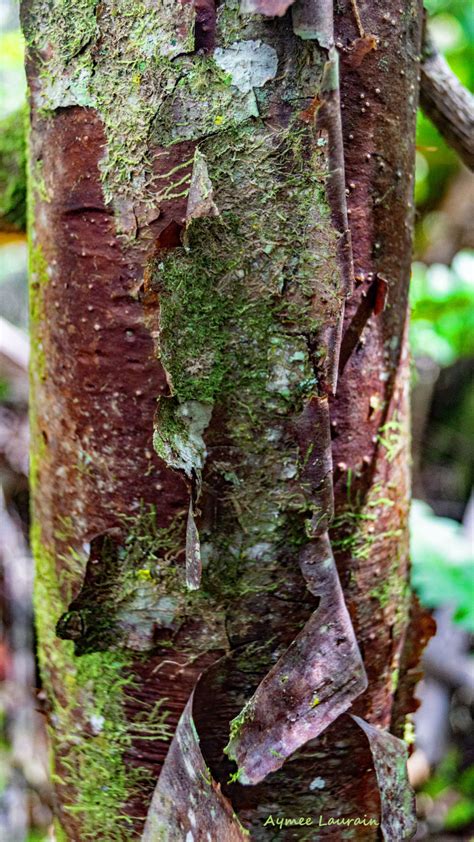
(317, 783)
(143, 612)
(182, 445)
(250, 63)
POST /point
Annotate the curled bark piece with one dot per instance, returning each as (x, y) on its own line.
(193, 552)
(313, 683)
(322, 672)
(316, 473)
(447, 103)
(187, 800)
(396, 795)
(330, 126)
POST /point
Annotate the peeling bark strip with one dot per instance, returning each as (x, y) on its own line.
(312, 684)
(398, 799)
(322, 672)
(193, 552)
(186, 800)
(220, 526)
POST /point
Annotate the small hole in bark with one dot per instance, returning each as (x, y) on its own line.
(45, 436)
(170, 237)
(205, 25)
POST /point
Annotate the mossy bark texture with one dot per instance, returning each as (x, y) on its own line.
(219, 413)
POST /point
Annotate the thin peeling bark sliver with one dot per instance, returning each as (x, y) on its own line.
(314, 682)
(173, 814)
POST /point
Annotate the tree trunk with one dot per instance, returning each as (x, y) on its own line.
(194, 462)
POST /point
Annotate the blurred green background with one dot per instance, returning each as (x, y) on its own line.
(442, 340)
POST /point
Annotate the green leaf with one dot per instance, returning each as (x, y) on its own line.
(442, 301)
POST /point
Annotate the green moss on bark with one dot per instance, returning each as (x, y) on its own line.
(116, 58)
(38, 282)
(223, 294)
(88, 727)
(242, 306)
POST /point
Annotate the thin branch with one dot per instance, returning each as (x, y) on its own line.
(447, 103)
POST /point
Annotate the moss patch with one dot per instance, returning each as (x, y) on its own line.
(136, 64)
(117, 58)
(88, 727)
(238, 323)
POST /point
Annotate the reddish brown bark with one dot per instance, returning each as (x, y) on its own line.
(379, 100)
(96, 407)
